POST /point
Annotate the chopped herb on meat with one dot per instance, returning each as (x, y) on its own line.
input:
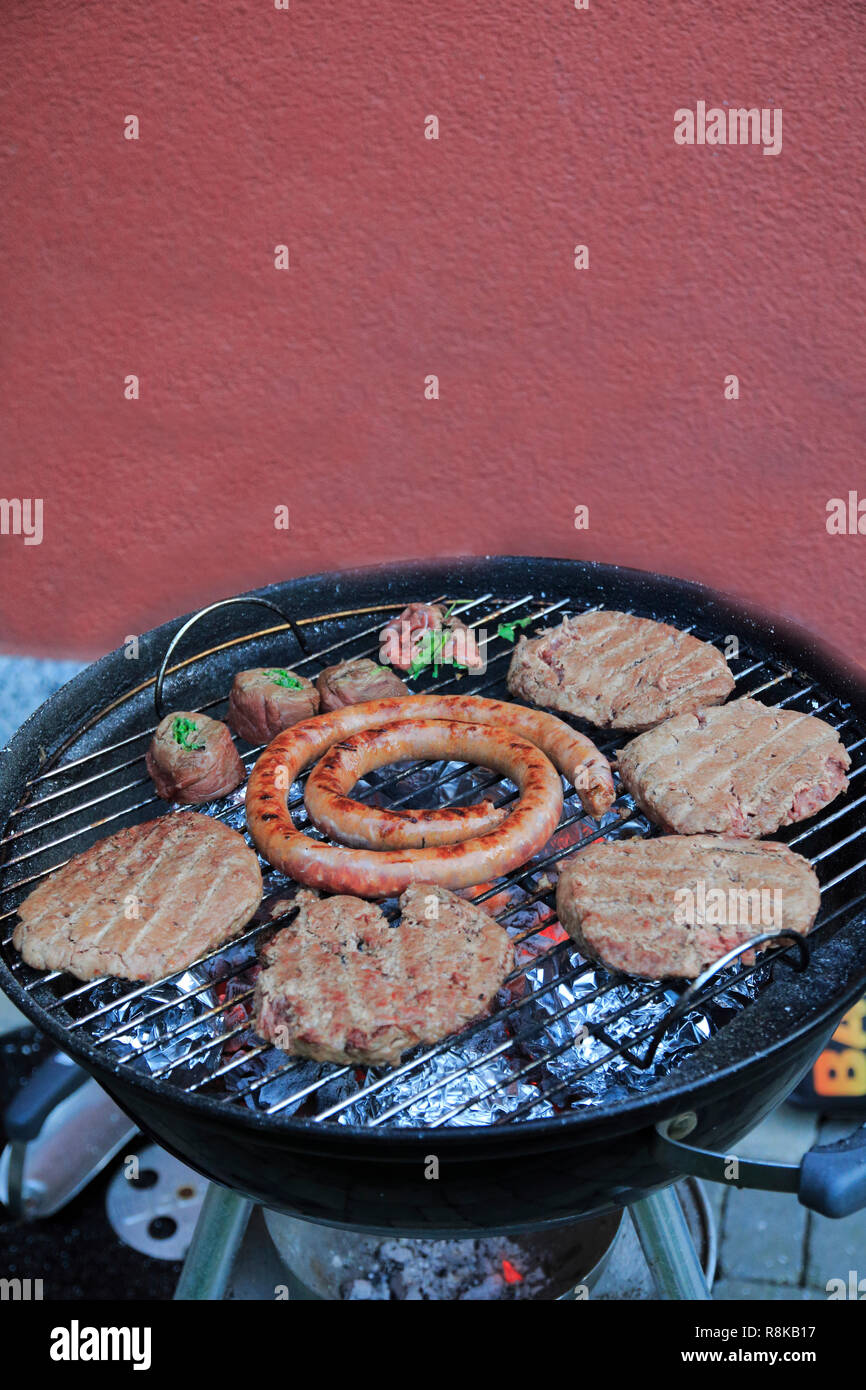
(265, 701)
(281, 677)
(183, 730)
(428, 635)
(434, 639)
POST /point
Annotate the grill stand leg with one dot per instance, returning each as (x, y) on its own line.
(218, 1233)
(668, 1246)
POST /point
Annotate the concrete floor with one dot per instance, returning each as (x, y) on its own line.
(769, 1246)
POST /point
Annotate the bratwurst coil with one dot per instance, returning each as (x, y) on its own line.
(371, 827)
(379, 873)
(374, 873)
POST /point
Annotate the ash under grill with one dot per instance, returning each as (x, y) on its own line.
(564, 1033)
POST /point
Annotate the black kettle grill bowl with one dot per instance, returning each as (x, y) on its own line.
(502, 1176)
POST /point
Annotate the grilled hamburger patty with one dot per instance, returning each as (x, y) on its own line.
(267, 700)
(739, 769)
(192, 758)
(341, 985)
(144, 902)
(671, 906)
(617, 671)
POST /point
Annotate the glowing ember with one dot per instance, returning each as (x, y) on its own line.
(512, 1275)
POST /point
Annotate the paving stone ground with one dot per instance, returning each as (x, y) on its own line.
(753, 1291)
(25, 682)
(770, 1247)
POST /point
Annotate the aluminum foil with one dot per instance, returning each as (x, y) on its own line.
(159, 1028)
(597, 1017)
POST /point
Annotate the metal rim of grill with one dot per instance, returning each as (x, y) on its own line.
(76, 783)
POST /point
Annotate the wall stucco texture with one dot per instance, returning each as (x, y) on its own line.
(408, 257)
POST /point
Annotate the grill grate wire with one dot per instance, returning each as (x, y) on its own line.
(78, 1006)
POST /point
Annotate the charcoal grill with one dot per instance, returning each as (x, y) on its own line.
(75, 773)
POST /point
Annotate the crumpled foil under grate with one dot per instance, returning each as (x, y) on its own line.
(544, 1039)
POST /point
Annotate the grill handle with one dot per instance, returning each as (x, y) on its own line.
(833, 1176)
(697, 992)
(54, 1080)
(830, 1179)
(212, 608)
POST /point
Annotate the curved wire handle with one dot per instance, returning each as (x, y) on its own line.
(687, 997)
(202, 613)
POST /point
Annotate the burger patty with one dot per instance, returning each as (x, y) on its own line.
(669, 907)
(342, 985)
(740, 769)
(617, 671)
(143, 903)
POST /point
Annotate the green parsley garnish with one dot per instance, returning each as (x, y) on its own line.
(281, 677)
(432, 648)
(183, 730)
(506, 630)
(432, 645)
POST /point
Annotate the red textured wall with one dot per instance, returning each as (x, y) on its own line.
(409, 257)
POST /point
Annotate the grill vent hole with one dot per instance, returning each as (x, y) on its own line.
(162, 1227)
(147, 1178)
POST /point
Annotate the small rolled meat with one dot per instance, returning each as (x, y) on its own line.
(373, 873)
(192, 759)
(370, 827)
(265, 701)
(426, 634)
(357, 681)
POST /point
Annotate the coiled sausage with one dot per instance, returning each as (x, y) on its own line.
(372, 827)
(376, 874)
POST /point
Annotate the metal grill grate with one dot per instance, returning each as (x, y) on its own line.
(192, 1032)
